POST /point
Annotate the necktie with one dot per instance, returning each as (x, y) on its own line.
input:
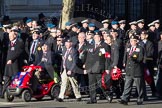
(65, 56)
(58, 47)
(33, 47)
(131, 51)
(12, 44)
(96, 45)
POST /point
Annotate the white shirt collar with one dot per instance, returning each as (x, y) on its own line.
(14, 41)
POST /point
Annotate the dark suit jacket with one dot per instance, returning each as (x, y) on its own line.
(46, 62)
(51, 42)
(81, 51)
(114, 55)
(148, 50)
(96, 61)
(82, 57)
(73, 36)
(134, 62)
(13, 55)
(38, 51)
(71, 60)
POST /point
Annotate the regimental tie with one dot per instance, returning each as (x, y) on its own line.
(96, 45)
(131, 51)
(33, 47)
(12, 44)
(65, 56)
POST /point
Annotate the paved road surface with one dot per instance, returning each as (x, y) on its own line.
(71, 103)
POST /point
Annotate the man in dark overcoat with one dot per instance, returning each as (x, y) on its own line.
(15, 49)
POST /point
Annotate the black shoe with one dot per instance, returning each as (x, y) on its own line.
(109, 98)
(123, 102)
(145, 98)
(91, 102)
(79, 99)
(155, 94)
(139, 103)
(101, 97)
(59, 100)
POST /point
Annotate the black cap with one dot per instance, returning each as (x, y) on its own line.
(134, 37)
(74, 25)
(90, 31)
(37, 31)
(41, 15)
(60, 36)
(144, 32)
(97, 32)
(68, 40)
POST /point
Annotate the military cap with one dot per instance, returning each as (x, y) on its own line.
(114, 22)
(84, 21)
(97, 32)
(74, 25)
(67, 23)
(151, 24)
(132, 32)
(141, 21)
(133, 23)
(36, 31)
(122, 21)
(105, 21)
(68, 40)
(134, 37)
(90, 31)
(91, 25)
(50, 25)
(60, 36)
(29, 20)
(156, 21)
(103, 29)
(144, 32)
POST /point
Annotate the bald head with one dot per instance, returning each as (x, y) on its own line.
(81, 37)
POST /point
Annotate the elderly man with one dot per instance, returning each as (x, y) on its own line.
(133, 62)
(97, 61)
(70, 57)
(15, 50)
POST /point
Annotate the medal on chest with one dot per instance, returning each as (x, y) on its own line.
(70, 58)
(12, 48)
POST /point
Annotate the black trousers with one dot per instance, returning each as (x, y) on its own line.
(128, 86)
(150, 67)
(94, 81)
(7, 81)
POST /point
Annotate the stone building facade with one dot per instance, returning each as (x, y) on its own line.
(30, 8)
